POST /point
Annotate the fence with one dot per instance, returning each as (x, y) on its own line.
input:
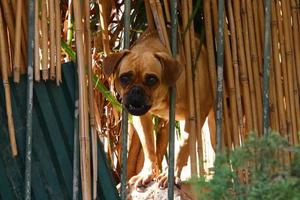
(253, 57)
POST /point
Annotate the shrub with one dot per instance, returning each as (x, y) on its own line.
(260, 169)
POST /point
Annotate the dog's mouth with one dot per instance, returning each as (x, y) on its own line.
(136, 109)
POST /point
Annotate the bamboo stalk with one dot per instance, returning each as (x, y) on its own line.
(289, 61)
(29, 112)
(284, 69)
(37, 61)
(296, 43)
(17, 47)
(44, 42)
(266, 70)
(258, 33)
(245, 39)
(210, 46)
(124, 112)
(255, 64)
(4, 59)
(104, 26)
(88, 52)
(277, 72)
(229, 79)
(9, 20)
(156, 17)
(52, 28)
(84, 135)
(163, 25)
(237, 72)
(190, 92)
(58, 41)
(150, 21)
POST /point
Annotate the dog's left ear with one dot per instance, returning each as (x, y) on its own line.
(171, 68)
(111, 62)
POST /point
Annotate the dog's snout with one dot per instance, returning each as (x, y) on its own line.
(136, 90)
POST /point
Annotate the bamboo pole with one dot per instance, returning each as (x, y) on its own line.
(88, 52)
(163, 25)
(258, 33)
(104, 26)
(191, 100)
(277, 72)
(245, 39)
(150, 21)
(156, 18)
(44, 42)
(172, 100)
(255, 64)
(9, 20)
(289, 61)
(4, 64)
(124, 112)
(52, 28)
(58, 41)
(37, 61)
(29, 112)
(17, 47)
(84, 135)
(296, 48)
(237, 73)
(266, 71)
(229, 78)
(210, 46)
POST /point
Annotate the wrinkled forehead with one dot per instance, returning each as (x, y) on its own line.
(141, 63)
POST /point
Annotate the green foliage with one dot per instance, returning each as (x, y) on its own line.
(268, 176)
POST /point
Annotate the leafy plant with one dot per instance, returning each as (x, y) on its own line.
(255, 171)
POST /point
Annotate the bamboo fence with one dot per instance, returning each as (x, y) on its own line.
(243, 70)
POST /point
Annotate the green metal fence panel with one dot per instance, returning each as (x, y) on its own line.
(53, 138)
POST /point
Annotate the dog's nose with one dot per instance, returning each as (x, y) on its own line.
(136, 90)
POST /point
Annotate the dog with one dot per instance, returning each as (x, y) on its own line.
(142, 76)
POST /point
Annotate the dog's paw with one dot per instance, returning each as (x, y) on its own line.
(162, 180)
(141, 180)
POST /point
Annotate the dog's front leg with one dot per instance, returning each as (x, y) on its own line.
(144, 128)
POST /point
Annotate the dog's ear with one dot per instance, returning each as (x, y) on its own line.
(171, 68)
(111, 62)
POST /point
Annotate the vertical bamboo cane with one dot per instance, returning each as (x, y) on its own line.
(237, 72)
(84, 135)
(44, 41)
(191, 103)
(37, 61)
(277, 71)
(258, 33)
(4, 64)
(210, 45)
(247, 56)
(58, 41)
(255, 64)
(150, 21)
(229, 75)
(17, 47)
(104, 26)
(52, 39)
(29, 111)
(163, 24)
(284, 69)
(91, 95)
(289, 61)
(297, 57)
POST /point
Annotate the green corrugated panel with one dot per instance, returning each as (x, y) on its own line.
(53, 131)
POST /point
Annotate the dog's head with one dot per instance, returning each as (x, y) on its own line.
(142, 78)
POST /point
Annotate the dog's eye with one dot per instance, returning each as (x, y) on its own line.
(125, 79)
(151, 80)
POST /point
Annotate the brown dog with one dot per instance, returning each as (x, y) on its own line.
(142, 76)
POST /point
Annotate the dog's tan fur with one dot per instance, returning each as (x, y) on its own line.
(149, 55)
